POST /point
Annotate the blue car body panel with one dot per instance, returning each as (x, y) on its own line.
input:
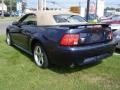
(94, 49)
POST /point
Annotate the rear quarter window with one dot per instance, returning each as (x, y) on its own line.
(67, 18)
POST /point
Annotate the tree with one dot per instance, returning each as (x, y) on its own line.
(11, 5)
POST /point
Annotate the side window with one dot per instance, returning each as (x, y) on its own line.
(68, 18)
(30, 20)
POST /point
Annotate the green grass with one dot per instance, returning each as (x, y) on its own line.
(18, 72)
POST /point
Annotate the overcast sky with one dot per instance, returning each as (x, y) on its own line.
(67, 3)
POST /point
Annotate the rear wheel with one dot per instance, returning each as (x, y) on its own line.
(8, 39)
(40, 56)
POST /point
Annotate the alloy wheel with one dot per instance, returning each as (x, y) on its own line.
(8, 39)
(38, 56)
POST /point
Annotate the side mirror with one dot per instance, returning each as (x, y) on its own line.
(15, 23)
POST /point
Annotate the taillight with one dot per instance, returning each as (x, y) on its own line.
(70, 40)
(110, 35)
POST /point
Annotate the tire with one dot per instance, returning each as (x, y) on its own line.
(8, 39)
(40, 56)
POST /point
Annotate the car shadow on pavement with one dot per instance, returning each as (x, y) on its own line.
(62, 69)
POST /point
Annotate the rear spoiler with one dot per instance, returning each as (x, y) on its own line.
(98, 25)
(86, 25)
(77, 25)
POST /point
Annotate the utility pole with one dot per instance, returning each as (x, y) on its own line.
(96, 6)
(2, 8)
(88, 6)
(45, 3)
(10, 7)
(38, 2)
(40, 5)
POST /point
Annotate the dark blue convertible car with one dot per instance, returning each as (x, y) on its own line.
(62, 38)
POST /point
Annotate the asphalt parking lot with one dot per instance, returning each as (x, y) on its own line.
(3, 26)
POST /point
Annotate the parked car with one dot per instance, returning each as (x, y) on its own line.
(106, 18)
(114, 21)
(61, 38)
(6, 14)
(115, 26)
(117, 38)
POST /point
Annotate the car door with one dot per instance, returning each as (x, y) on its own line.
(24, 31)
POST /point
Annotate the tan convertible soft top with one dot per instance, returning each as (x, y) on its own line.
(46, 18)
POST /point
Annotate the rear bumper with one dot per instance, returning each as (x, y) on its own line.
(80, 55)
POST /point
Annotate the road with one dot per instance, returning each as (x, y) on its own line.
(3, 26)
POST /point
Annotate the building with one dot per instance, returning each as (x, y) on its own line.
(4, 6)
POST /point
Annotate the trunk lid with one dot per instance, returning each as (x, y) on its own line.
(91, 33)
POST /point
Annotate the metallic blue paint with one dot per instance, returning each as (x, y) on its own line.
(49, 36)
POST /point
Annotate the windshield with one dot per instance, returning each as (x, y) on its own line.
(67, 18)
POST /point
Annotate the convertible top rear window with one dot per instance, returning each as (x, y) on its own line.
(67, 18)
